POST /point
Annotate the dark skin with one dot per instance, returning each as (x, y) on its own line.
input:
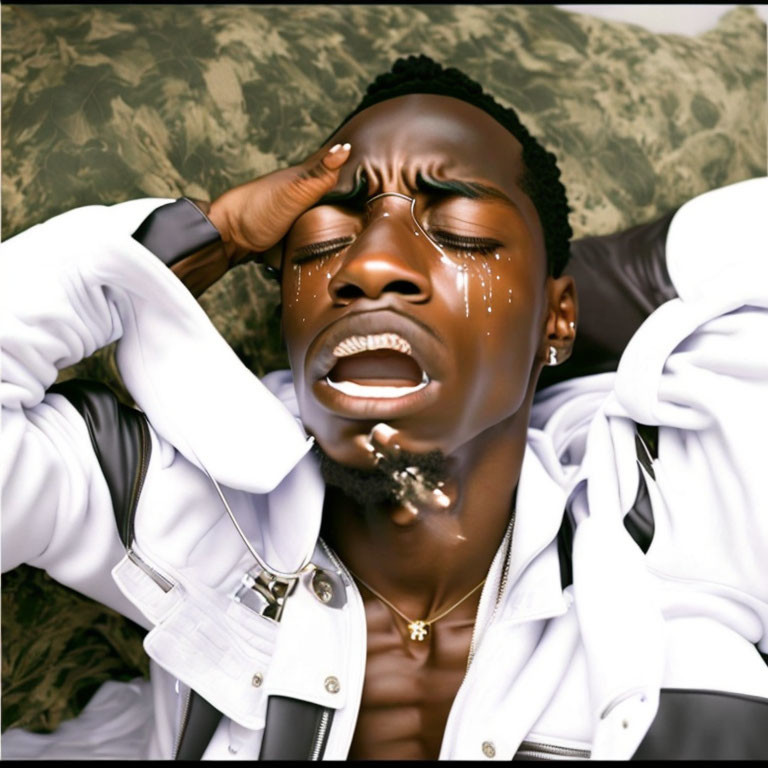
(482, 367)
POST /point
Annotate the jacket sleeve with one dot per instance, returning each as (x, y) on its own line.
(698, 368)
(57, 510)
(70, 286)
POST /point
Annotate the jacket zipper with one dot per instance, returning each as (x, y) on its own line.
(320, 735)
(158, 578)
(138, 482)
(182, 724)
(533, 750)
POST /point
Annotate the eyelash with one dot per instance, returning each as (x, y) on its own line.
(469, 245)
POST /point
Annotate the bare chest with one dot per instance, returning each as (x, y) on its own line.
(409, 686)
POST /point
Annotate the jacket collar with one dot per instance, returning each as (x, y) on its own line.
(532, 587)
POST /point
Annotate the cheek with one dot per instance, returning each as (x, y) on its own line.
(495, 306)
(302, 291)
(491, 295)
(304, 285)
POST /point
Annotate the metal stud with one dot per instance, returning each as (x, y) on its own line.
(489, 750)
(257, 680)
(332, 684)
(322, 588)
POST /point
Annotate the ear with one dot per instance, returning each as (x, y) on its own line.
(562, 319)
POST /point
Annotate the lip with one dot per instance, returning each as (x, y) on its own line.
(426, 347)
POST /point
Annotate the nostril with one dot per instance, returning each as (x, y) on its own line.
(405, 287)
(350, 291)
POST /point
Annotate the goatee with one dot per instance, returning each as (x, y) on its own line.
(376, 487)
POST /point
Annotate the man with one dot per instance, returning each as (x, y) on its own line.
(420, 258)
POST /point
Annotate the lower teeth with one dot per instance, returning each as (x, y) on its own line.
(360, 390)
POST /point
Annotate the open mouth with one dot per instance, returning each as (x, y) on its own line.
(376, 366)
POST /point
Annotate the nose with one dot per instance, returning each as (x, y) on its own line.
(386, 258)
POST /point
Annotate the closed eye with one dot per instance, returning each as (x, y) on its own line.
(445, 239)
(479, 245)
(324, 248)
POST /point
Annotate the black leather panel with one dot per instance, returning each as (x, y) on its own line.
(201, 723)
(620, 280)
(638, 521)
(707, 725)
(120, 438)
(291, 729)
(175, 231)
(565, 549)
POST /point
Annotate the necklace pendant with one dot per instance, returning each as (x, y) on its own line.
(419, 630)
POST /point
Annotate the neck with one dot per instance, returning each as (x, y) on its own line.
(437, 556)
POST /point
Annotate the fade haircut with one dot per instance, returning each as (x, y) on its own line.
(541, 177)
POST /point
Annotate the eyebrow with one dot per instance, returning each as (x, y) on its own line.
(474, 190)
(354, 198)
(358, 195)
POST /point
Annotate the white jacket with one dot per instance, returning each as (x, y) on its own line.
(580, 667)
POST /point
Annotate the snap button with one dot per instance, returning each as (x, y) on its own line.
(332, 684)
(257, 680)
(488, 749)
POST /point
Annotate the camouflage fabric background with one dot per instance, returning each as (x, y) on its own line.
(102, 104)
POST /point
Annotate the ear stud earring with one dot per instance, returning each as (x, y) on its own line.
(552, 356)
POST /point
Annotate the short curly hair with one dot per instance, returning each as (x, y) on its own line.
(541, 178)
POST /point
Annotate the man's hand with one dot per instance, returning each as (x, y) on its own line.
(255, 216)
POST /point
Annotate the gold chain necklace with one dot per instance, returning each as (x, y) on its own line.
(419, 628)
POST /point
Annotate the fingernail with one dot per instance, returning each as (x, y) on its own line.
(334, 148)
(347, 146)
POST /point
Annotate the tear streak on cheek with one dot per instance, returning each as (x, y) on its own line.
(481, 269)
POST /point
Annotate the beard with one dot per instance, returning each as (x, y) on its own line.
(377, 487)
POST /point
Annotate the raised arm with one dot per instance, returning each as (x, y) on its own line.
(83, 280)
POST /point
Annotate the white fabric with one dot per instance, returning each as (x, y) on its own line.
(569, 667)
(116, 724)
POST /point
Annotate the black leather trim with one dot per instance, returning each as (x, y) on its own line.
(291, 729)
(176, 230)
(565, 549)
(201, 723)
(707, 725)
(120, 439)
(620, 280)
(638, 521)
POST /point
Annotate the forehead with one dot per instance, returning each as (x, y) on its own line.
(438, 133)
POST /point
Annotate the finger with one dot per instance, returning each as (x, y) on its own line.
(336, 156)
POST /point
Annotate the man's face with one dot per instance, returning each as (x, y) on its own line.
(385, 307)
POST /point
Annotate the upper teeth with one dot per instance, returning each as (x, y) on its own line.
(356, 344)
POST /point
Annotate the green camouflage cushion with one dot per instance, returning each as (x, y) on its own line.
(107, 103)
